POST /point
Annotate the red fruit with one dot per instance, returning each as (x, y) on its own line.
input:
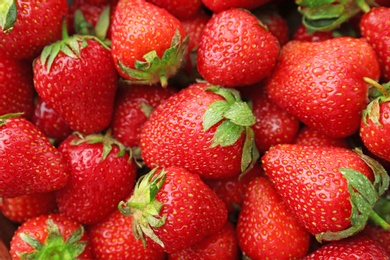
(235, 41)
(323, 83)
(202, 128)
(184, 9)
(173, 209)
(21, 208)
(50, 236)
(308, 136)
(378, 234)
(375, 28)
(304, 35)
(113, 238)
(76, 77)
(217, 6)
(148, 43)
(29, 162)
(16, 84)
(32, 26)
(266, 229)
(326, 187)
(221, 245)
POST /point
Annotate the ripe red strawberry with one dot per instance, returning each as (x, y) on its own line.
(173, 209)
(221, 245)
(53, 236)
(105, 235)
(28, 26)
(148, 43)
(323, 83)
(184, 9)
(29, 162)
(304, 35)
(309, 136)
(220, 5)
(133, 106)
(378, 234)
(102, 173)
(356, 247)
(202, 128)
(330, 190)
(266, 229)
(235, 49)
(16, 84)
(375, 28)
(77, 78)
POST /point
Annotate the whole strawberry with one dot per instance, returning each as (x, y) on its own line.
(203, 128)
(173, 209)
(148, 43)
(77, 78)
(321, 83)
(101, 173)
(30, 163)
(330, 190)
(235, 49)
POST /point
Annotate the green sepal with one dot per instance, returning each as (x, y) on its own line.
(227, 134)
(214, 113)
(146, 109)
(250, 154)
(239, 113)
(3, 118)
(82, 26)
(8, 15)
(313, 3)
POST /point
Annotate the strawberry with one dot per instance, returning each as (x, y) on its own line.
(202, 128)
(16, 82)
(53, 236)
(148, 43)
(266, 229)
(26, 27)
(217, 6)
(309, 136)
(321, 83)
(21, 208)
(76, 77)
(221, 245)
(232, 41)
(378, 234)
(184, 9)
(105, 235)
(330, 190)
(173, 209)
(375, 28)
(102, 173)
(30, 163)
(304, 35)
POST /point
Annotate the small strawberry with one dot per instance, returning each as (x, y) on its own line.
(330, 190)
(235, 49)
(321, 83)
(52, 236)
(30, 163)
(309, 136)
(217, 6)
(203, 128)
(148, 43)
(184, 9)
(173, 209)
(101, 173)
(266, 229)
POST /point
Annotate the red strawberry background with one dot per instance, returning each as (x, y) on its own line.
(196, 129)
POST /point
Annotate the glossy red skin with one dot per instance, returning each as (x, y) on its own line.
(194, 27)
(82, 89)
(139, 27)
(309, 182)
(95, 186)
(308, 136)
(357, 247)
(376, 137)
(301, 34)
(30, 163)
(193, 211)
(220, 5)
(184, 9)
(266, 229)
(38, 24)
(232, 41)
(221, 245)
(128, 117)
(174, 136)
(321, 83)
(17, 86)
(104, 238)
(375, 28)
(37, 228)
(378, 234)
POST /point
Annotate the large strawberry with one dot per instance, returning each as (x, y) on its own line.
(26, 27)
(321, 83)
(148, 43)
(203, 128)
(330, 190)
(29, 162)
(235, 49)
(173, 209)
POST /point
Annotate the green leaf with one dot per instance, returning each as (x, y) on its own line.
(214, 113)
(103, 23)
(81, 26)
(227, 134)
(314, 3)
(324, 12)
(230, 95)
(250, 154)
(8, 15)
(240, 113)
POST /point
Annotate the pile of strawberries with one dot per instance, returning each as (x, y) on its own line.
(194, 129)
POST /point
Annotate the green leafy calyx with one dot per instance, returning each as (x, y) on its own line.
(8, 15)
(378, 94)
(3, 118)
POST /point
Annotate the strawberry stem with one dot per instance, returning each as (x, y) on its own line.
(65, 34)
(379, 220)
(377, 86)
